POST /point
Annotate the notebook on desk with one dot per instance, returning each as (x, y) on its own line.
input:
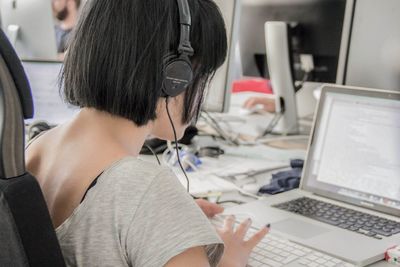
(348, 204)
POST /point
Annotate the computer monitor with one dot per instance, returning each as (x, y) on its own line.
(370, 51)
(218, 95)
(30, 27)
(47, 100)
(318, 33)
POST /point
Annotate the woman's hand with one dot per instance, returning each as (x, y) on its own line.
(210, 209)
(237, 249)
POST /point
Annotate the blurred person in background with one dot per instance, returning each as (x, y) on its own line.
(66, 12)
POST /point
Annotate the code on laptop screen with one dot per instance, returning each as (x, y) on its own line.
(357, 150)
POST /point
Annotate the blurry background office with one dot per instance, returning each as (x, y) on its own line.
(329, 41)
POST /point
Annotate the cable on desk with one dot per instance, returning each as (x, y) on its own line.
(238, 202)
(248, 194)
(300, 85)
(242, 191)
(210, 197)
(215, 125)
(272, 124)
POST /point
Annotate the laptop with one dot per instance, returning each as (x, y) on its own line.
(348, 203)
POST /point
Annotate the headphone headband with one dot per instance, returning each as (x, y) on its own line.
(185, 21)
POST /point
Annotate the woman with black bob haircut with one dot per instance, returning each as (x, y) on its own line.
(110, 208)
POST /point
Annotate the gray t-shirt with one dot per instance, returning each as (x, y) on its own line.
(138, 214)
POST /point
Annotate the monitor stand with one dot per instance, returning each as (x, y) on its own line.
(12, 34)
(277, 36)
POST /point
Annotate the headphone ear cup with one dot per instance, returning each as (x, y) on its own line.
(177, 75)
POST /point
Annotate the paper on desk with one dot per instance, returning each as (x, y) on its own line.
(210, 176)
(201, 183)
(237, 162)
(266, 153)
(239, 167)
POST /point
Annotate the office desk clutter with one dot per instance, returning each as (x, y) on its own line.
(243, 169)
(189, 160)
(285, 180)
(392, 255)
(158, 146)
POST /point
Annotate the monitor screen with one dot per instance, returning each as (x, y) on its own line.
(218, 95)
(29, 25)
(356, 148)
(319, 34)
(47, 100)
(372, 53)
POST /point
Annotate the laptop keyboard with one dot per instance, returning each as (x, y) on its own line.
(274, 251)
(359, 222)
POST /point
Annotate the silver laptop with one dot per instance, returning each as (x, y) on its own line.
(348, 204)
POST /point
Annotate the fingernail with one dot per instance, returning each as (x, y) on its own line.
(268, 225)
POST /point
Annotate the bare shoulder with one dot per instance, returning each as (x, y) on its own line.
(35, 150)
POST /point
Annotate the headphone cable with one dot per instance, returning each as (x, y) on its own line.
(176, 145)
(153, 152)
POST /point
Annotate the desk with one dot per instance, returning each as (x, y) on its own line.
(233, 195)
(243, 155)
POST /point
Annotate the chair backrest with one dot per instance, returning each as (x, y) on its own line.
(27, 236)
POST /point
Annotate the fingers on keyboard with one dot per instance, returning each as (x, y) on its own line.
(242, 229)
(257, 237)
(229, 223)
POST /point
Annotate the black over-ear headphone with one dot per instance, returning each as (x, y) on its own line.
(178, 73)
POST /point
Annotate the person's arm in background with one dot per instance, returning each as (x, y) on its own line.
(267, 103)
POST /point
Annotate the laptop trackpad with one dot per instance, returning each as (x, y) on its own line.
(299, 228)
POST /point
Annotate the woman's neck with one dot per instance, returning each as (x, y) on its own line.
(124, 133)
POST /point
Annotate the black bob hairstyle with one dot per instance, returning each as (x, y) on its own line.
(116, 55)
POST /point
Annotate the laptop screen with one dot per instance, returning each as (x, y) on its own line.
(355, 151)
(49, 106)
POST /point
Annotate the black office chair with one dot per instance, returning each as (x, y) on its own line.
(27, 236)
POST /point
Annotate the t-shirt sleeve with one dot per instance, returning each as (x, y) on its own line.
(168, 222)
